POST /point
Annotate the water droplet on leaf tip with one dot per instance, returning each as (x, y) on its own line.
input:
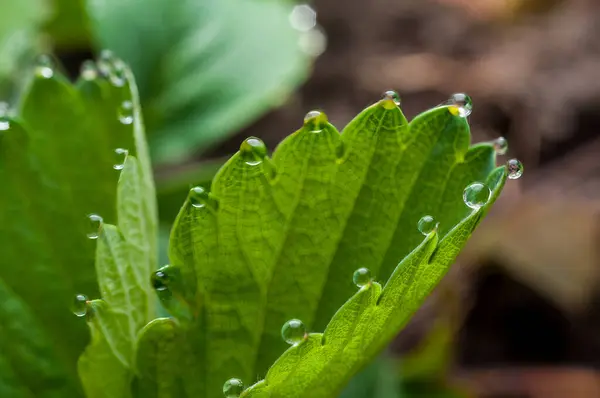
(427, 225)
(315, 121)
(293, 331)
(160, 279)
(121, 155)
(253, 150)
(500, 145)
(461, 103)
(198, 197)
(4, 123)
(233, 388)
(117, 76)
(476, 195)
(80, 303)
(515, 169)
(44, 66)
(391, 99)
(88, 70)
(95, 226)
(303, 18)
(362, 277)
(125, 112)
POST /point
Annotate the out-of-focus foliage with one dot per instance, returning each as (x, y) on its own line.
(68, 25)
(19, 22)
(205, 68)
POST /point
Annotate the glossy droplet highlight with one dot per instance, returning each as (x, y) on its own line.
(117, 75)
(315, 121)
(161, 278)
(79, 306)
(390, 99)
(105, 62)
(426, 225)
(4, 122)
(44, 67)
(476, 195)
(293, 331)
(121, 156)
(233, 388)
(253, 151)
(461, 103)
(515, 169)
(198, 197)
(88, 70)
(500, 145)
(362, 277)
(303, 18)
(95, 226)
(314, 42)
(125, 112)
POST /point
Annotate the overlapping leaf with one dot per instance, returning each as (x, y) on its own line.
(56, 167)
(125, 256)
(280, 238)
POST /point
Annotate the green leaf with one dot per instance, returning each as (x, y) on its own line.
(56, 158)
(104, 367)
(29, 365)
(205, 69)
(279, 239)
(125, 256)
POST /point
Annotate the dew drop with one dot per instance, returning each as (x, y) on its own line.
(117, 75)
(515, 169)
(500, 145)
(426, 225)
(198, 197)
(79, 306)
(233, 388)
(105, 62)
(125, 112)
(253, 151)
(303, 18)
(315, 121)
(4, 123)
(293, 331)
(121, 157)
(160, 279)
(362, 277)
(462, 104)
(44, 67)
(476, 195)
(88, 70)
(391, 97)
(95, 226)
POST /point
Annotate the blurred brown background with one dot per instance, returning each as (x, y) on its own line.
(522, 306)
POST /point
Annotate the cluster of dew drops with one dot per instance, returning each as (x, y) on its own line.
(475, 196)
(112, 69)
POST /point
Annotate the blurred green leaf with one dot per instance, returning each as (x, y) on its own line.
(19, 24)
(68, 25)
(205, 68)
(56, 167)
